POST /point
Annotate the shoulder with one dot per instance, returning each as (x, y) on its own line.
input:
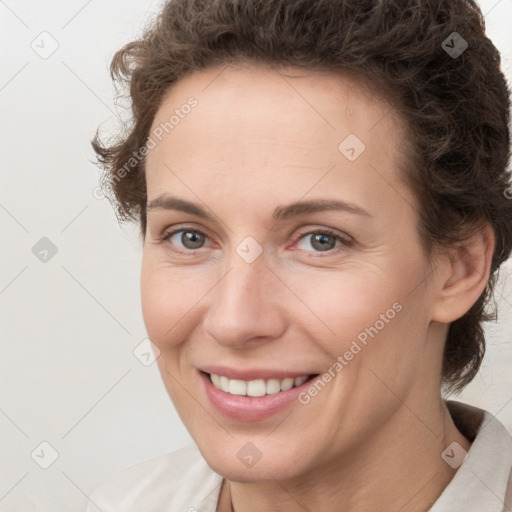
(180, 480)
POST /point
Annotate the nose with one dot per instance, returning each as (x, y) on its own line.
(244, 305)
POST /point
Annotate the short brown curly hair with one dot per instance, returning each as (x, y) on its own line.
(456, 108)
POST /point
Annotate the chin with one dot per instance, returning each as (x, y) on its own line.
(239, 462)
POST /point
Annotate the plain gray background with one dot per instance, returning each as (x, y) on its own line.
(70, 321)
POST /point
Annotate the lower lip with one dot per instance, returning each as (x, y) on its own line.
(248, 408)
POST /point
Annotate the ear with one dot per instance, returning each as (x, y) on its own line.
(464, 275)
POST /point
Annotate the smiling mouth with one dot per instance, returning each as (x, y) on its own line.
(258, 387)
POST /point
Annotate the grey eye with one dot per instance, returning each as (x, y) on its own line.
(323, 242)
(191, 239)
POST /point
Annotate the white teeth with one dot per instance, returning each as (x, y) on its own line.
(300, 380)
(224, 383)
(216, 380)
(287, 384)
(237, 387)
(273, 386)
(257, 387)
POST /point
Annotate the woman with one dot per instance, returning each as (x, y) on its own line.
(321, 188)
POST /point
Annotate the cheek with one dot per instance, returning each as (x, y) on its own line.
(168, 297)
(342, 304)
(363, 307)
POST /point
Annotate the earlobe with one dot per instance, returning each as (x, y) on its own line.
(468, 272)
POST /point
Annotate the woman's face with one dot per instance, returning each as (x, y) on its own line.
(241, 288)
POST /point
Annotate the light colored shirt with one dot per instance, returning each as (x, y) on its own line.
(182, 481)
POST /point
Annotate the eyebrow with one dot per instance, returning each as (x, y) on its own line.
(280, 213)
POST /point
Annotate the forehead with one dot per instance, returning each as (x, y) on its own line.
(256, 126)
(254, 94)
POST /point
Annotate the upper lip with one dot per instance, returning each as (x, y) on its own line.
(252, 374)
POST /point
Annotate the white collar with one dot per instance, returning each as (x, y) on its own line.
(483, 483)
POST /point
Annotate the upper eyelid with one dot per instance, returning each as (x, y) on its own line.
(309, 231)
(174, 230)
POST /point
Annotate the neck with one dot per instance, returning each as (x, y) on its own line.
(400, 468)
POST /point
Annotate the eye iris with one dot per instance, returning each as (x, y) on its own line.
(193, 238)
(325, 242)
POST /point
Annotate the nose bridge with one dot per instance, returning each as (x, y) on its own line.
(241, 306)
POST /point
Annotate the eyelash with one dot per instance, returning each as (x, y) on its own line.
(346, 242)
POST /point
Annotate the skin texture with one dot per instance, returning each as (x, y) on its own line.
(258, 138)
